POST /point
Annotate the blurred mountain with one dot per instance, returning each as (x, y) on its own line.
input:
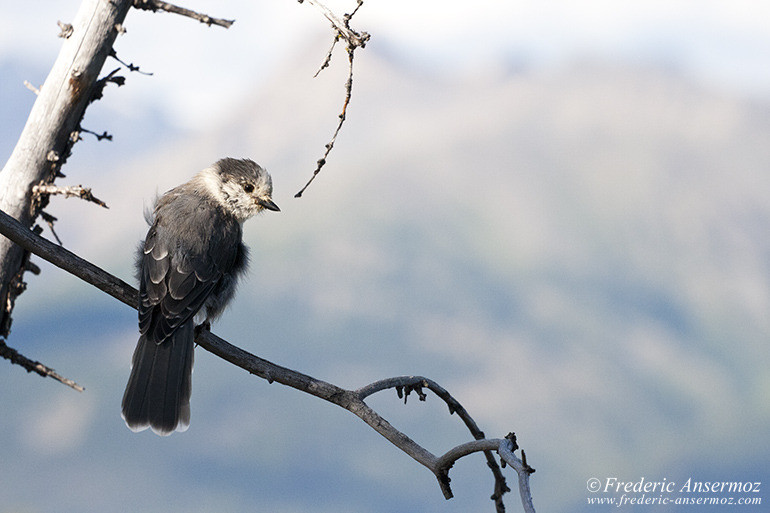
(579, 255)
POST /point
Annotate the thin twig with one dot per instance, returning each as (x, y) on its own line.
(351, 400)
(130, 66)
(159, 5)
(104, 135)
(348, 16)
(354, 41)
(343, 115)
(328, 59)
(50, 220)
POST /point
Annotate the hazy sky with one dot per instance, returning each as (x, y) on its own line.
(723, 42)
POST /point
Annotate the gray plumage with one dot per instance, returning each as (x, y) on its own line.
(188, 267)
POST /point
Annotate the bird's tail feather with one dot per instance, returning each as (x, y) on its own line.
(158, 390)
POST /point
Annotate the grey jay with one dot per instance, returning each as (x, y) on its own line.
(188, 267)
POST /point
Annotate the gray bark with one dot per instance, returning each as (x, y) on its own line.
(52, 129)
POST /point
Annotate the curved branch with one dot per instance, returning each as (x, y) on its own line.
(351, 400)
(406, 384)
(503, 447)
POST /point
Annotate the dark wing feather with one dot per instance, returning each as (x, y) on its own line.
(177, 277)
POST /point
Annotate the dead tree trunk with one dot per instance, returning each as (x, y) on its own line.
(52, 128)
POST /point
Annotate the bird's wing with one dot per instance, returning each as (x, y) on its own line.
(176, 281)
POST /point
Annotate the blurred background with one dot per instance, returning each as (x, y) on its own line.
(556, 210)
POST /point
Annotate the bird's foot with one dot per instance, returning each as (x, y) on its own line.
(204, 326)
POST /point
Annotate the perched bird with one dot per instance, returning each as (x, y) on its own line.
(188, 267)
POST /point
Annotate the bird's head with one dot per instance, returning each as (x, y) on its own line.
(241, 186)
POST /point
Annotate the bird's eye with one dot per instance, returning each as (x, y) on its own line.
(248, 187)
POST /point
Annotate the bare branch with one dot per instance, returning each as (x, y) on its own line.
(404, 385)
(355, 40)
(328, 59)
(504, 448)
(522, 469)
(351, 400)
(104, 135)
(159, 5)
(70, 191)
(32, 366)
(130, 66)
(50, 220)
(13, 355)
(343, 115)
(448, 459)
(65, 259)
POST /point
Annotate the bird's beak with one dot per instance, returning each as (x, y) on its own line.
(268, 204)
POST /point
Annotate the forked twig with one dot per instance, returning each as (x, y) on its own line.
(354, 41)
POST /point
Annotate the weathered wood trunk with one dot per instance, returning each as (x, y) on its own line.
(52, 129)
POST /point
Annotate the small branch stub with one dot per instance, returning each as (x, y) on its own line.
(32, 88)
(66, 30)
